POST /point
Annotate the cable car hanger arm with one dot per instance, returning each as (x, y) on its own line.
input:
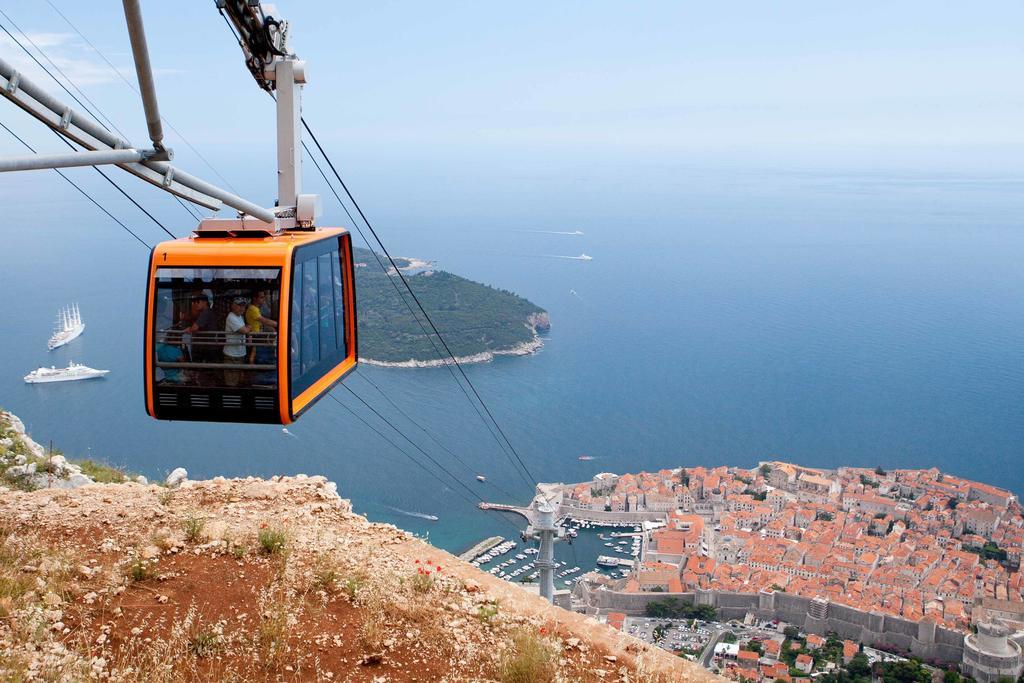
(78, 128)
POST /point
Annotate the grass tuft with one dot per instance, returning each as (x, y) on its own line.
(352, 585)
(204, 643)
(531, 659)
(325, 578)
(486, 612)
(102, 473)
(193, 526)
(272, 540)
(139, 570)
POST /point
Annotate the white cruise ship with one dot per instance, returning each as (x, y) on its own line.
(69, 326)
(68, 374)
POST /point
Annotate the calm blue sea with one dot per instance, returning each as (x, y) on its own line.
(727, 316)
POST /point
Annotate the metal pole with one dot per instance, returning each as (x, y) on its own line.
(543, 528)
(65, 120)
(232, 200)
(73, 118)
(32, 162)
(137, 33)
(289, 74)
(546, 556)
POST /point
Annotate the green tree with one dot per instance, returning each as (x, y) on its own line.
(879, 471)
(906, 671)
(791, 632)
(674, 608)
(859, 665)
(766, 470)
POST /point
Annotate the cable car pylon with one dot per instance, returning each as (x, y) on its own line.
(544, 529)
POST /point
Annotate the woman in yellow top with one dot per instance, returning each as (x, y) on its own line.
(256, 321)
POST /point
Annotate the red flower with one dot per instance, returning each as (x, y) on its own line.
(417, 561)
(543, 631)
(438, 567)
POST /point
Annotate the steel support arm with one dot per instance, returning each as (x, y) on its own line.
(90, 135)
(33, 162)
(144, 71)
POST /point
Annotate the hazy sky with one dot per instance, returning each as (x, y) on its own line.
(908, 84)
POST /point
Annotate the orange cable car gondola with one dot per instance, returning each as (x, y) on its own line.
(248, 325)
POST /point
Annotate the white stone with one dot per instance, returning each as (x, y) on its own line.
(141, 480)
(76, 480)
(176, 477)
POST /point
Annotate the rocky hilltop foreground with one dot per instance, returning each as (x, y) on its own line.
(252, 579)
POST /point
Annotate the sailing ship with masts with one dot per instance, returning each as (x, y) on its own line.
(69, 326)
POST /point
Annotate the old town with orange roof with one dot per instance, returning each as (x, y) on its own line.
(911, 543)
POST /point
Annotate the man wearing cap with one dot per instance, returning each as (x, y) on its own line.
(234, 345)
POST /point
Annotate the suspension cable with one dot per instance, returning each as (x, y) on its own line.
(66, 77)
(121, 190)
(413, 443)
(409, 455)
(43, 67)
(75, 185)
(402, 297)
(136, 91)
(90, 112)
(405, 282)
(423, 429)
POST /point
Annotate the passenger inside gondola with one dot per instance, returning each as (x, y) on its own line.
(213, 342)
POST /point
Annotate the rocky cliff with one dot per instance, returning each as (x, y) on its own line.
(252, 579)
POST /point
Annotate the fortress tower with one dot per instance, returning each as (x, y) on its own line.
(989, 654)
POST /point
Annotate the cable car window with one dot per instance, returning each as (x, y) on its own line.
(325, 285)
(216, 327)
(310, 319)
(318, 341)
(296, 324)
(339, 298)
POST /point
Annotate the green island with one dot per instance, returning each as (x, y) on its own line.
(477, 321)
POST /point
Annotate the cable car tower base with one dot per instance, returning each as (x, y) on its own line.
(544, 529)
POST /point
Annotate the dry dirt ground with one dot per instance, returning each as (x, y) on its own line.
(273, 580)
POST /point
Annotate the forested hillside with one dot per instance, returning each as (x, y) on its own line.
(474, 318)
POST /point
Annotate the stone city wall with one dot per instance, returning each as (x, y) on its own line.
(925, 639)
(604, 517)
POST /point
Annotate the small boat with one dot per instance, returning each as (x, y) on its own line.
(585, 457)
(481, 477)
(605, 561)
(72, 372)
